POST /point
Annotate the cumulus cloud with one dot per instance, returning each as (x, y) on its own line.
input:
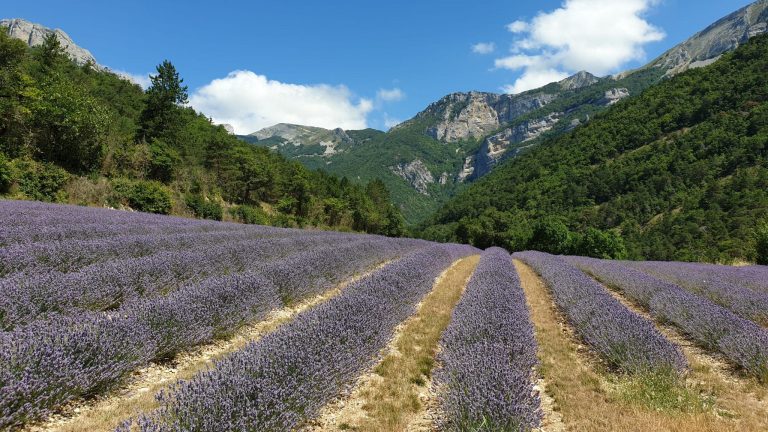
(141, 80)
(484, 48)
(599, 36)
(250, 102)
(390, 95)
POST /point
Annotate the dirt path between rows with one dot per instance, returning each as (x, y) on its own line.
(395, 395)
(588, 397)
(138, 395)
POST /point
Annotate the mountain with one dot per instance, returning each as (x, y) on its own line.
(308, 141)
(464, 136)
(709, 44)
(33, 34)
(679, 172)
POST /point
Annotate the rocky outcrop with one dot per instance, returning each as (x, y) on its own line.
(467, 170)
(34, 34)
(722, 36)
(495, 147)
(579, 80)
(473, 115)
(416, 174)
(613, 96)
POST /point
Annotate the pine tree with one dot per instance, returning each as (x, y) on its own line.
(166, 96)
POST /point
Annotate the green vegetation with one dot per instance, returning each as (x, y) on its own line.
(761, 244)
(80, 134)
(679, 172)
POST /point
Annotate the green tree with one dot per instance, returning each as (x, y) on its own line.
(17, 90)
(600, 244)
(51, 54)
(550, 235)
(166, 95)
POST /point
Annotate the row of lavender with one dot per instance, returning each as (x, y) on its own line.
(26, 297)
(626, 340)
(48, 363)
(76, 330)
(488, 354)
(288, 376)
(743, 342)
(742, 290)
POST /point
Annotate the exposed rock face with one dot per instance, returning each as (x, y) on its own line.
(416, 174)
(581, 79)
(33, 34)
(722, 36)
(473, 115)
(296, 135)
(467, 170)
(229, 128)
(496, 147)
(612, 96)
(444, 178)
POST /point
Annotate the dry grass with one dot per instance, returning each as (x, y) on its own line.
(591, 399)
(138, 396)
(395, 397)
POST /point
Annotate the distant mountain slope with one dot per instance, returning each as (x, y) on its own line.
(33, 34)
(680, 171)
(722, 36)
(463, 136)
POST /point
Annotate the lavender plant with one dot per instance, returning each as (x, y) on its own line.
(488, 354)
(729, 287)
(285, 378)
(623, 338)
(741, 341)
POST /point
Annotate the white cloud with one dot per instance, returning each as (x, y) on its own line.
(534, 78)
(250, 102)
(599, 36)
(518, 26)
(484, 48)
(141, 80)
(390, 95)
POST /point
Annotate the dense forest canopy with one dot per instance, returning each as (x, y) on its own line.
(679, 172)
(84, 135)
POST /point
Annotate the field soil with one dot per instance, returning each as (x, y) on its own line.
(587, 396)
(396, 394)
(138, 395)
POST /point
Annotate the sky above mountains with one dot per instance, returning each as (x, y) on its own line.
(357, 64)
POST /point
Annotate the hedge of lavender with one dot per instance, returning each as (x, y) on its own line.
(84, 310)
(488, 354)
(741, 341)
(737, 290)
(625, 339)
(106, 286)
(49, 363)
(289, 375)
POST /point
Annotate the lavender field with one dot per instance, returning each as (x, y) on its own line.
(94, 301)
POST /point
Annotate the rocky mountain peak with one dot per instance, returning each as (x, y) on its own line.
(709, 44)
(34, 34)
(579, 80)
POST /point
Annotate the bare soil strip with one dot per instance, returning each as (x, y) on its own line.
(588, 398)
(395, 396)
(138, 395)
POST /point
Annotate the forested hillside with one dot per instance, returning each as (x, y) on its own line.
(83, 135)
(679, 172)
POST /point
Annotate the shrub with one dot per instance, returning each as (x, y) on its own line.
(249, 215)
(761, 244)
(145, 196)
(41, 181)
(600, 244)
(5, 174)
(203, 208)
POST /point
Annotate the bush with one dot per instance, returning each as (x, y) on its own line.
(249, 215)
(163, 160)
(600, 244)
(41, 181)
(145, 196)
(203, 208)
(5, 174)
(550, 236)
(761, 244)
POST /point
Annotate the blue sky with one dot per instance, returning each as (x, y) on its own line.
(365, 63)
